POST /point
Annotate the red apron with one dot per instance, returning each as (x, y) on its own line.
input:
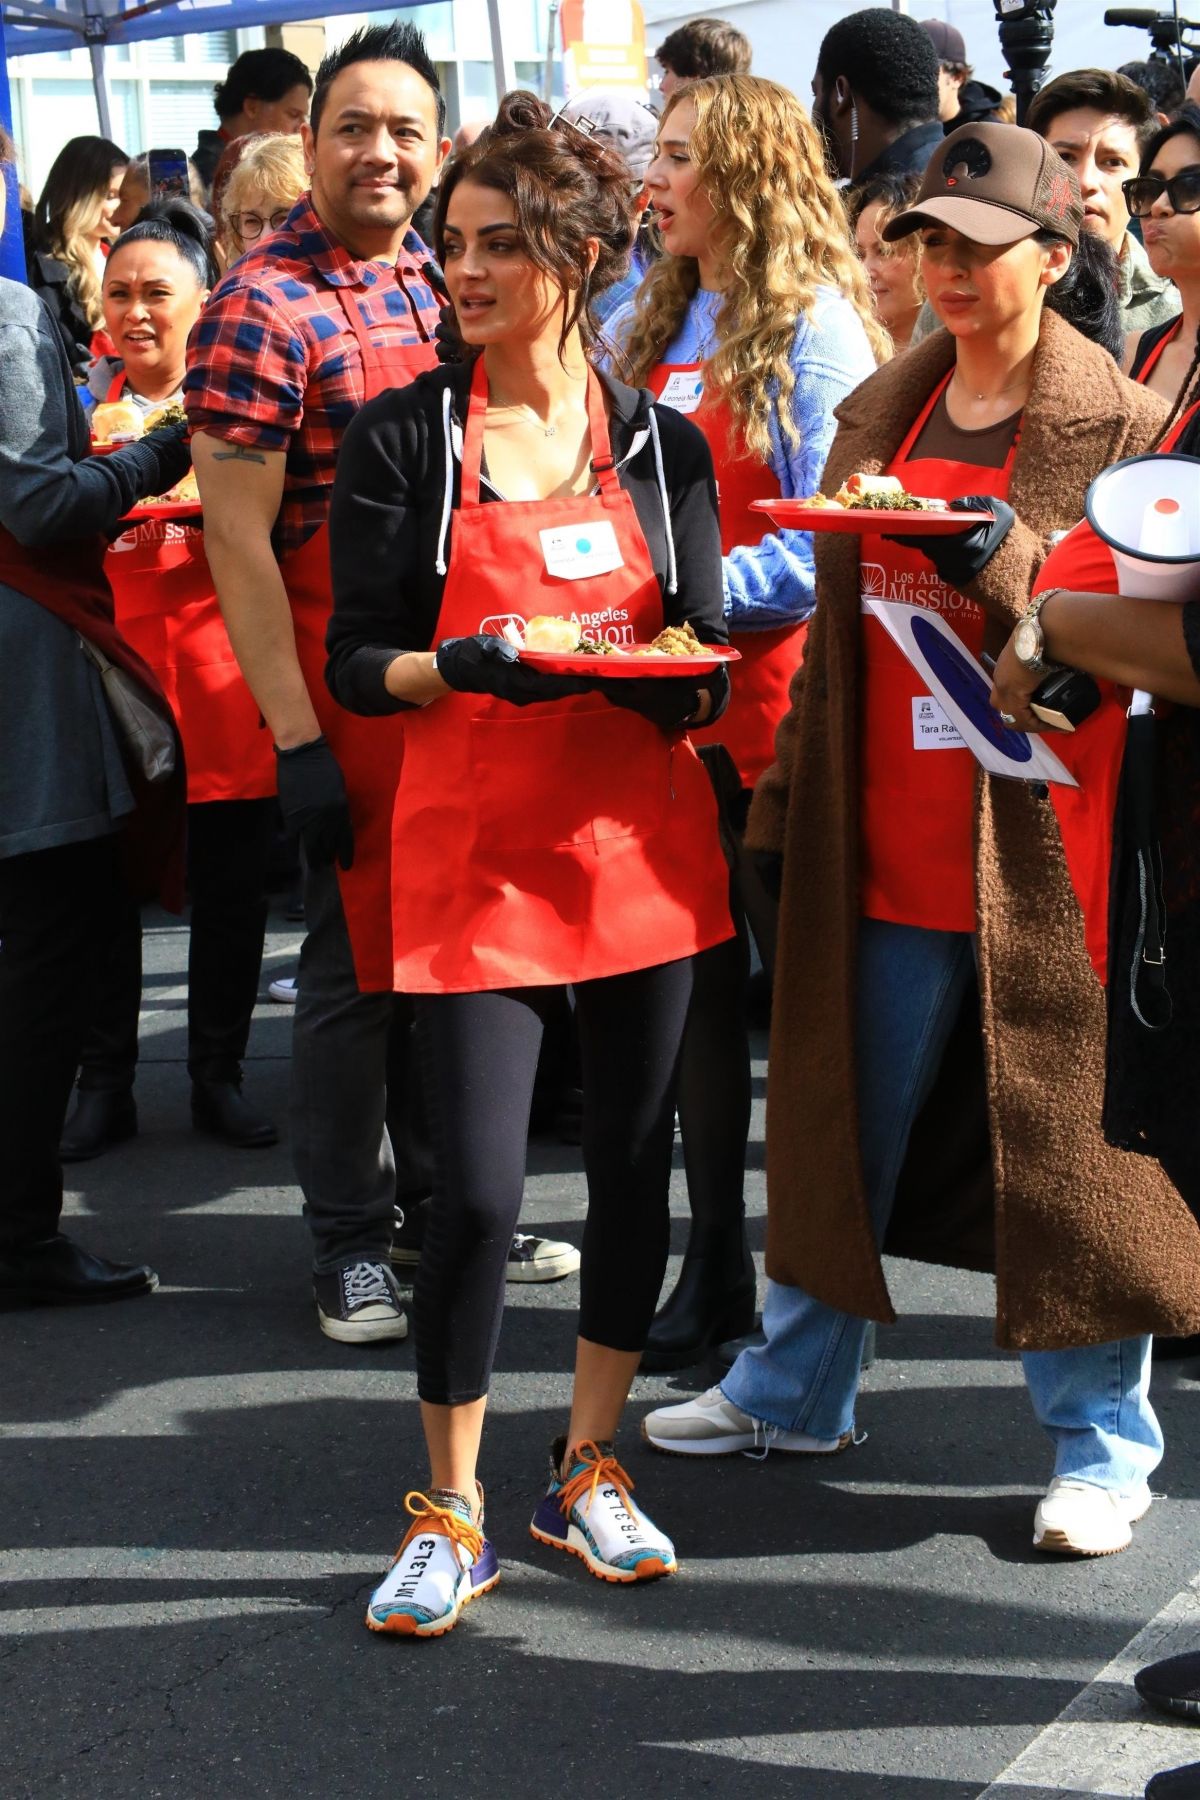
(552, 843)
(368, 751)
(1083, 564)
(166, 606)
(69, 581)
(917, 791)
(769, 658)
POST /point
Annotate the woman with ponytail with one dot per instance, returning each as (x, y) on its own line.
(548, 829)
(756, 322)
(937, 1045)
(73, 225)
(156, 281)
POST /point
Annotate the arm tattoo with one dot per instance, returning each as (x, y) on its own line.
(239, 453)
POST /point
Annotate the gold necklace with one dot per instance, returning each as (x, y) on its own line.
(971, 394)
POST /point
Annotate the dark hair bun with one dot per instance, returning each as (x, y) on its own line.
(183, 218)
(521, 111)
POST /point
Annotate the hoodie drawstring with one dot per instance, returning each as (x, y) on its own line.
(672, 585)
(448, 495)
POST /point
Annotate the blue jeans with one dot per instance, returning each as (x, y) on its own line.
(1093, 1402)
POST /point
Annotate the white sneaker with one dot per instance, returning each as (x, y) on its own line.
(1077, 1518)
(590, 1514)
(444, 1563)
(539, 1259)
(711, 1425)
(284, 990)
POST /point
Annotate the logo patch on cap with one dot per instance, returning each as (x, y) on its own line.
(968, 161)
(1057, 198)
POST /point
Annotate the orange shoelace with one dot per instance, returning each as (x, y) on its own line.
(596, 1468)
(428, 1516)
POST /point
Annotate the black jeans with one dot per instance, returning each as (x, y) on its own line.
(228, 844)
(57, 912)
(479, 1056)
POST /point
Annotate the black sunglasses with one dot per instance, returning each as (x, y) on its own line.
(1182, 191)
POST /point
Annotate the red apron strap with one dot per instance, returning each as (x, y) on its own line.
(603, 464)
(115, 387)
(374, 375)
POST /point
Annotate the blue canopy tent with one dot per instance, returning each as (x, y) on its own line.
(32, 26)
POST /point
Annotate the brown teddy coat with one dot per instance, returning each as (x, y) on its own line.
(1088, 1244)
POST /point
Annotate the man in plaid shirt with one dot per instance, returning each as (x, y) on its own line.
(329, 310)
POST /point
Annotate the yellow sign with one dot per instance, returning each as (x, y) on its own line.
(604, 44)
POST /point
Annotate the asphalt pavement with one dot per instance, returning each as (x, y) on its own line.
(198, 1491)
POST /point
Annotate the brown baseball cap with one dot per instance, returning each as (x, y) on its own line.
(996, 184)
(947, 40)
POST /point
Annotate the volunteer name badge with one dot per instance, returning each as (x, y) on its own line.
(573, 552)
(683, 391)
(933, 729)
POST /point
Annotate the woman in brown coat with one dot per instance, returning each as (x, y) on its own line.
(906, 874)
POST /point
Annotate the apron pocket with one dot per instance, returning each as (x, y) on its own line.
(550, 780)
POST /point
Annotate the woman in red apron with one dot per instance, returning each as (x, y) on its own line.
(1165, 196)
(906, 880)
(759, 366)
(547, 829)
(156, 282)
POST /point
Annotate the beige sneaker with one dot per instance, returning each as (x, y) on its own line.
(711, 1425)
(1077, 1518)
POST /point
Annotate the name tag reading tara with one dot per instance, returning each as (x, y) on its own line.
(573, 552)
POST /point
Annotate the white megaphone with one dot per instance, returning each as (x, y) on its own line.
(1147, 510)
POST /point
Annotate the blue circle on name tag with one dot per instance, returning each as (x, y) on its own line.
(583, 545)
(966, 686)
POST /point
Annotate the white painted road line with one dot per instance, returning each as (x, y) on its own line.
(1107, 1742)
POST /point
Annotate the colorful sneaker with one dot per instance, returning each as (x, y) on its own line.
(589, 1513)
(443, 1564)
(711, 1425)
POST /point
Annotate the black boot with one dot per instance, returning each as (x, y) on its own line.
(101, 1117)
(713, 1300)
(221, 1109)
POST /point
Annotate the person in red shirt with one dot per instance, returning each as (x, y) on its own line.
(326, 312)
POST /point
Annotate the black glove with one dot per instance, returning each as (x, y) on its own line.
(446, 340)
(153, 465)
(312, 799)
(669, 701)
(768, 865)
(961, 556)
(491, 665)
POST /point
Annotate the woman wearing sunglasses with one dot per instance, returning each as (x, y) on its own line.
(548, 829)
(938, 1037)
(1166, 198)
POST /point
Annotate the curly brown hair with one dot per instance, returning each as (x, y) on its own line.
(566, 189)
(783, 234)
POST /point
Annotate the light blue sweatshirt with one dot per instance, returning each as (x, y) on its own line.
(771, 583)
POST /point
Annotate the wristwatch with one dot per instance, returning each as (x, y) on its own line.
(1029, 640)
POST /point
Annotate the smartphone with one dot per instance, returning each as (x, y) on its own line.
(169, 175)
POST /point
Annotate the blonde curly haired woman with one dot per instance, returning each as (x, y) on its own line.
(757, 321)
(73, 225)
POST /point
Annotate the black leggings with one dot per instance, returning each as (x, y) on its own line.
(479, 1053)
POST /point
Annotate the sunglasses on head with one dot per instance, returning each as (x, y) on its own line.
(1182, 191)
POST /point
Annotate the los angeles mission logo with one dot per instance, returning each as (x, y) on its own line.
(151, 534)
(913, 587)
(609, 626)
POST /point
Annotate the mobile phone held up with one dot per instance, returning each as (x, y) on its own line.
(169, 175)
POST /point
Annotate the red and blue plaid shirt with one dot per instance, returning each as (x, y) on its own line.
(274, 365)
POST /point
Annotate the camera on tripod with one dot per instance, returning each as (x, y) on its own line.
(1168, 35)
(1026, 34)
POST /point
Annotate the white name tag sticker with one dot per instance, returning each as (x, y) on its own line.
(573, 552)
(683, 390)
(932, 728)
